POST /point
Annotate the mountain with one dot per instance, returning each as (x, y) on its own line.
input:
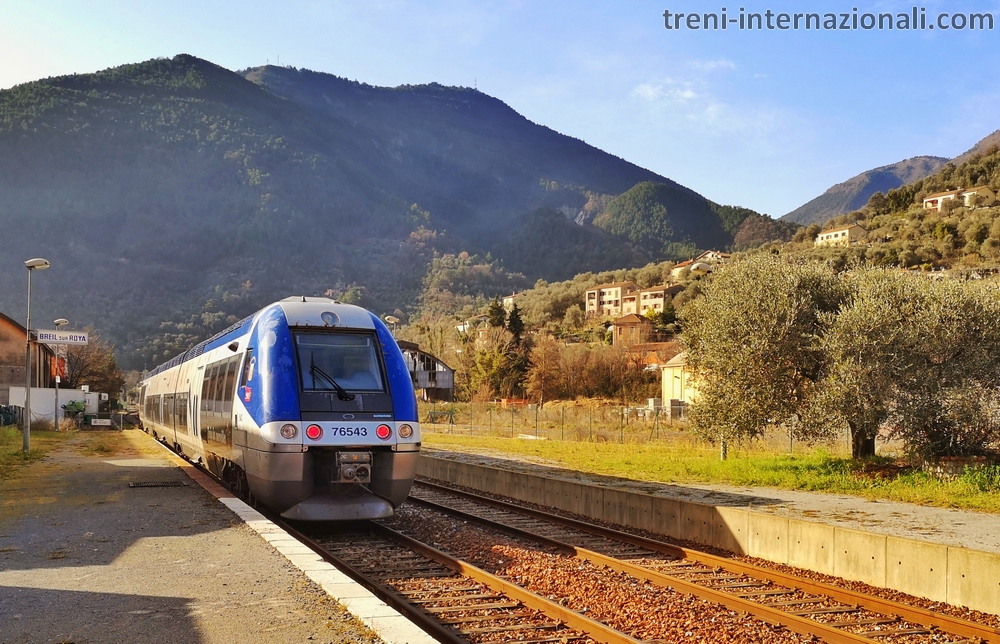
(855, 192)
(174, 197)
(984, 146)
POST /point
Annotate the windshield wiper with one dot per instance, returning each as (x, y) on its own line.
(341, 392)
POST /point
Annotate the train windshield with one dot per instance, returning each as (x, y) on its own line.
(338, 362)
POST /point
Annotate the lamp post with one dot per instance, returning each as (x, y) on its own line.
(39, 264)
(61, 322)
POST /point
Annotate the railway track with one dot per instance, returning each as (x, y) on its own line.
(458, 602)
(807, 607)
(452, 600)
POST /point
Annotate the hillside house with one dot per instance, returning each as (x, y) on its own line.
(842, 236)
(510, 300)
(702, 264)
(631, 329)
(12, 338)
(978, 196)
(607, 299)
(655, 297)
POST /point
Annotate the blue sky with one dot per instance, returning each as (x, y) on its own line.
(763, 119)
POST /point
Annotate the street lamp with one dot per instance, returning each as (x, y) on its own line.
(38, 264)
(60, 323)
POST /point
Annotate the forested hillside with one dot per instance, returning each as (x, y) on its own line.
(174, 196)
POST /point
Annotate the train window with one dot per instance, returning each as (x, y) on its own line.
(228, 388)
(206, 388)
(181, 411)
(347, 360)
(213, 386)
(168, 410)
(248, 365)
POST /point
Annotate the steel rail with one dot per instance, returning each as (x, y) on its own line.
(428, 623)
(952, 625)
(770, 615)
(592, 628)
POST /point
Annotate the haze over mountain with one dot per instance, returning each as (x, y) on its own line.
(855, 192)
(174, 196)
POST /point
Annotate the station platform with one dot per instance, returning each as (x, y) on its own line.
(112, 538)
(941, 554)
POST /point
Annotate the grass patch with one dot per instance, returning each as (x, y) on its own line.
(686, 461)
(13, 458)
(101, 444)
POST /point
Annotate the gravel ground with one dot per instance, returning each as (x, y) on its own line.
(84, 558)
(641, 609)
(964, 528)
(857, 586)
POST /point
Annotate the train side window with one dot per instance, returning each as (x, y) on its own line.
(168, 410)
(213, 386)
(180, 411)
(228, 389)
(248, 365)
(206, 387)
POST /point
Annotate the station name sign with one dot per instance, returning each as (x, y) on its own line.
(61, 337)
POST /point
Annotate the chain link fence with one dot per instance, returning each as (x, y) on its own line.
(589, 421)
(553, 421)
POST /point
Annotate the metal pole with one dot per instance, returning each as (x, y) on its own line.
(621, 426)
(562, 424)
(55, 411)
(536, 421)
(489, 409)
(512, 420)
(591, 424)
(26, 446)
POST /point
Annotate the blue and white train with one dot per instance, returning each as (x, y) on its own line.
(306, 406)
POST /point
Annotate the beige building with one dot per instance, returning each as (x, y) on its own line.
(631, 329)
(607, 299)
(704, 263)
(842, 236)
(655, 297)
(978, 196)
(510, 300)
(676, 380)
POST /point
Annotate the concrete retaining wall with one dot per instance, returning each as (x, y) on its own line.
(954, 575)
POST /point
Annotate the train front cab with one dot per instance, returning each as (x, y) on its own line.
(338, 436)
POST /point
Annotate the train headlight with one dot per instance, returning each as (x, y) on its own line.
(405, 431)
(315, 432)
(384, 432)
(289, 431)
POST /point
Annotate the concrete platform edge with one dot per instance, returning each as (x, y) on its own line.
(938, 572)
(390, 625)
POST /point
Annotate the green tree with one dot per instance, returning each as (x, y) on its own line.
(753, 342)
(496, 315)
(515, 324)
(908, 354)
(498, 367)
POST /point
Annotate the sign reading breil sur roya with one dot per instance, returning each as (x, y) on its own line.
(61, 337)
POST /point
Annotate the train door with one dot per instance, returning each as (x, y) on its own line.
(195, 402)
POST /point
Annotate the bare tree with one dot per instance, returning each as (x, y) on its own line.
(94, 364)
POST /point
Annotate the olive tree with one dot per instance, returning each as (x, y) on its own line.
(915, 356)
(754, 345)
